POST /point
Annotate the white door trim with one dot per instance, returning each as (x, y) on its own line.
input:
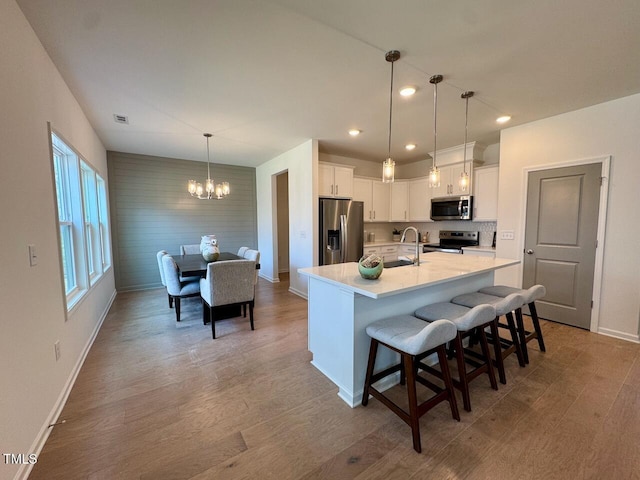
(605, 162)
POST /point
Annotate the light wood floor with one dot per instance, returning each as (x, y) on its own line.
(160, 400)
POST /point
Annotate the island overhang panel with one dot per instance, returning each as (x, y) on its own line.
(342, 304)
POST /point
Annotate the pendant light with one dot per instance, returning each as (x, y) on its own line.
(389, 166)
(434, 173)
(463, 182)
(210, 189)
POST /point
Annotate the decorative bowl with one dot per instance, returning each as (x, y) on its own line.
(371, 273)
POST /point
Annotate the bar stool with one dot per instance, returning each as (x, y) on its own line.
(468, 321)
(410, 337)
(504, 306)
(529, 295)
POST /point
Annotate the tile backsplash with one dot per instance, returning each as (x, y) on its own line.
(384, 231)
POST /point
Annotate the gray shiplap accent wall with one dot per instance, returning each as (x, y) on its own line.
(151, 210)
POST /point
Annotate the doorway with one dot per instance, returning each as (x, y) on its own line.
(282, 223)
(560, 242)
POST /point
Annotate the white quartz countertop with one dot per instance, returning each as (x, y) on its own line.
(435, 268)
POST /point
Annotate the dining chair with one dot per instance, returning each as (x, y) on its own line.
(242, 250)
(176, 288)
(254, 255)
(228, 282)
(190, 249)
(159, 256)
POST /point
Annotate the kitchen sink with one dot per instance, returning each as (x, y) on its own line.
(397, 263)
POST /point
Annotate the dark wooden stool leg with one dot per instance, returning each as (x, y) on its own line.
(403, 375)
(177, 303)
(448, 383)
(522, 334)
(462, 372)
(373, 350)
(514, 338)
(484, 345)
(536, 325)
(497, 348)
(409, 366)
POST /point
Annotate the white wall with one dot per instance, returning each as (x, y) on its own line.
(607, 129)
(33, 314)
(301, 163)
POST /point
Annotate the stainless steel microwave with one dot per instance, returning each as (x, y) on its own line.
(452, 208)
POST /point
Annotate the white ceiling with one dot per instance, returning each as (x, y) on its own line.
(264, 76)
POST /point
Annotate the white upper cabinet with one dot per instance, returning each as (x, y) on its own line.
(399, 201)
(485, 200)
(375, 196)
(450, 180)
(419, 200)
(335, 181)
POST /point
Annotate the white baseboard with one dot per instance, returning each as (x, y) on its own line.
(269, 279)
(298, 293)
(45, 431)
(621, 335)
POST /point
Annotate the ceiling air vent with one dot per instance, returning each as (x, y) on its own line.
(121, 118)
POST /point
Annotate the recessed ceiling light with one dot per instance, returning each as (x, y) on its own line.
(355, 132)
(410, 146)
(407, 91)
(503, 119)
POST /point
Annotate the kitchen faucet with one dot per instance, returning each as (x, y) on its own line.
(416, 261)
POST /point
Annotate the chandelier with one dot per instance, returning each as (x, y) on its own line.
(210, 189)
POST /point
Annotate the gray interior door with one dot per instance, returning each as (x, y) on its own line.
(560, 240)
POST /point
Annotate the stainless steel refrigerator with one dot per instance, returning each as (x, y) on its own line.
(341, 231)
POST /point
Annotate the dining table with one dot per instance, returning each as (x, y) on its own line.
(194, 265)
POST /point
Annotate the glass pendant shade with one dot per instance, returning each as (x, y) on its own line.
(463, 182)
(388, 170)
(434, 177)
(226, 190)
(192, 187)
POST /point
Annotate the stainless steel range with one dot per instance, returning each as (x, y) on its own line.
(452, 241)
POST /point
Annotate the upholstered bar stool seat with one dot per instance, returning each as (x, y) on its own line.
(504, 307)
(410, 337)
(529, 296)
(468, 321)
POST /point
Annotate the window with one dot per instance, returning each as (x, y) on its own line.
(82, 219)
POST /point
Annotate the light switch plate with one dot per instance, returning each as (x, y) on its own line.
(507, 235)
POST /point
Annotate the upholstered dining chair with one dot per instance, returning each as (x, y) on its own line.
(176, 288)
(190, 249)
(159, 256)
(254, 255)
(228, 282)
(242, 251)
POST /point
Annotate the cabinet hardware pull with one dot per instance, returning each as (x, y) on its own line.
(336, 189)
(331, 189)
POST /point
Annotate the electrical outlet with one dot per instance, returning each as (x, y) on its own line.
(56, 346)
(507, 235)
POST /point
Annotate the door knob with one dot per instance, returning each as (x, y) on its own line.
(530, 252)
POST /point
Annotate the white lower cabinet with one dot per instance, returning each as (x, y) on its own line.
(389, 252)
(478, 253)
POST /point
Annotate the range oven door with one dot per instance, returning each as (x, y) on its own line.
(452, 208)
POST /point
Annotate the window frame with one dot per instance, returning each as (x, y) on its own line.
(81, 209)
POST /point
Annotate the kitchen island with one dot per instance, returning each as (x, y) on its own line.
(342, 304)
